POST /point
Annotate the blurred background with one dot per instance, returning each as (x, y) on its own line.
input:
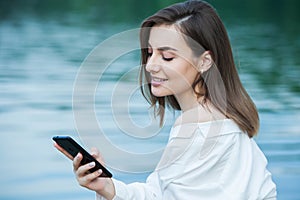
(43, 43)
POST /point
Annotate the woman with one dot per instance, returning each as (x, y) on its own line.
(187, 64)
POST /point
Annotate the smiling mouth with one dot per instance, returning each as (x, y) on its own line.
(158, 79)
(155, 81)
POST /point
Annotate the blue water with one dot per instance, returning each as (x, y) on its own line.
(39, 62)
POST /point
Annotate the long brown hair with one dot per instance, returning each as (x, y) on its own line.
(199, 21)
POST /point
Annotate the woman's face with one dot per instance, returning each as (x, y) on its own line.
(170, 63)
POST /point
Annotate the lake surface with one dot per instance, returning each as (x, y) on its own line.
(39, 62)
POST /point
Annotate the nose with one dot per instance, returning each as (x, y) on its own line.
(152, 66)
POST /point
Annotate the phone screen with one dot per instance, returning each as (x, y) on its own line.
(73, 148)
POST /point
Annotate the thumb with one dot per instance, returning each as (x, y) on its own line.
(96, 154)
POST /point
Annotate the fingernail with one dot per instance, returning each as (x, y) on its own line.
(92, 164)
(100, 171)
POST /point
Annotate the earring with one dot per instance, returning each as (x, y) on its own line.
(201, 71)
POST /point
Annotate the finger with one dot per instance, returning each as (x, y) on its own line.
(84, 169)
(76, 161)
(85, 180)
(96, 154)
(59, 148)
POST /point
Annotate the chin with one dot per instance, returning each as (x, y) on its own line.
(159, 92)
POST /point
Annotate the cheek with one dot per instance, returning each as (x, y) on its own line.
(182, 73)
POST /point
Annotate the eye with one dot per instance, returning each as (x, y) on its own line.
(149, 53)
(167, 56)
(168, 59)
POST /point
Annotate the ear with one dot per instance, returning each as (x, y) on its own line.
(205, 61)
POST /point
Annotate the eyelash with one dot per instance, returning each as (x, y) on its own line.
(168, 59)
(164, 58)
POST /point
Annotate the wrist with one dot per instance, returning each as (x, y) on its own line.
(108, 191)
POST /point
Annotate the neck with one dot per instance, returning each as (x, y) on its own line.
(187, 101)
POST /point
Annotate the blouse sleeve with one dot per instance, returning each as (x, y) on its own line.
(168, 168)
(137, 191)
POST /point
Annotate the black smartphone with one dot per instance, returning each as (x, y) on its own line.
(73, 148)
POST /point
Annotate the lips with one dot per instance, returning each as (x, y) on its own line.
(156, 81)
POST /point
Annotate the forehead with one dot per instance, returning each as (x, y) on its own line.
(168, 36)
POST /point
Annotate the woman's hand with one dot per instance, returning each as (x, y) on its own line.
(92, 181)
(63, 151)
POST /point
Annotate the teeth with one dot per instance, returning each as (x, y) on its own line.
(158, 79)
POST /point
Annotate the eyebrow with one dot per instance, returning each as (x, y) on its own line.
(164, 48)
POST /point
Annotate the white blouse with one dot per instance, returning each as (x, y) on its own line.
(211, 161)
